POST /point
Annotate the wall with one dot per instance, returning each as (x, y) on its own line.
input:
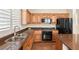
(74, 13)
(75, 21)
(77, 11)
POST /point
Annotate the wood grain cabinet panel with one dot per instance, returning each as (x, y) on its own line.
(37, 31)
(37, 35)
(36, 17)
(58, 43)
(26, 16)
(37, 38)
(28, 43)
(55, 31)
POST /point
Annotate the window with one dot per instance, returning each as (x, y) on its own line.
(5, 15)
(16, 17)
(9, 18)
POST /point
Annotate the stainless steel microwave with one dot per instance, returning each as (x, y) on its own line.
(46, 20)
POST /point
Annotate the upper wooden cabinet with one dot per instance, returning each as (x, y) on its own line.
(26, 16)
(36, 17)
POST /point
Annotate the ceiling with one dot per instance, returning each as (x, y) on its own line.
(48, 10)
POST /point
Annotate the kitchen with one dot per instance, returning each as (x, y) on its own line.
(39, 29)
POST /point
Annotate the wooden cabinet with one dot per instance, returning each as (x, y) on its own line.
(37, 31)
(58, 42)
(37, 35)
(28, 43)
(37, 38)
(36, 17)
(26, 16)
(34, 20)
(55, 31)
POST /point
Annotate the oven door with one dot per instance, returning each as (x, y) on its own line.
(47, 35)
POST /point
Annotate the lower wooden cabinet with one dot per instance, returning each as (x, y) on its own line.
(37, 35)
(28, 43)
(55, 31)
(37, 38)
(58, 43)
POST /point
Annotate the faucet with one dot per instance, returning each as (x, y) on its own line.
(15, 31)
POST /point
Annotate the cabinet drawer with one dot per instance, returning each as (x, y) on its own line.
(38, 31)
(55, 31)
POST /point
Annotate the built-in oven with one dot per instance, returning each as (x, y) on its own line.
(47, 35)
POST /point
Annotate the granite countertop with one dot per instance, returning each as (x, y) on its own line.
(70, 40)
(16, 44)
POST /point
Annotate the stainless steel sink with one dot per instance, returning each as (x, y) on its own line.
(19, 37)
(14, 44)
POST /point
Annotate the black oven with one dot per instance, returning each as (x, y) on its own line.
(47, 35)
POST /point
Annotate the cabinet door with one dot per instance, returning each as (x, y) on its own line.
(38, 32)
(38, 20)
(24, 16)
(34, 19)
(55, 31)
(28, 43)
(38, 38)
(37, 35)
(28, 18)
(54, 19)
(58, 43)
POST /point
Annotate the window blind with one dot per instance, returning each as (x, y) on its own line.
(5, 16)
(9, 18)
(16, 17)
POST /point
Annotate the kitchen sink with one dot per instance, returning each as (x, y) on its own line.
(14, 43)
(17, 38)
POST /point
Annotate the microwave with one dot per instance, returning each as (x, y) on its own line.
(46, 20)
